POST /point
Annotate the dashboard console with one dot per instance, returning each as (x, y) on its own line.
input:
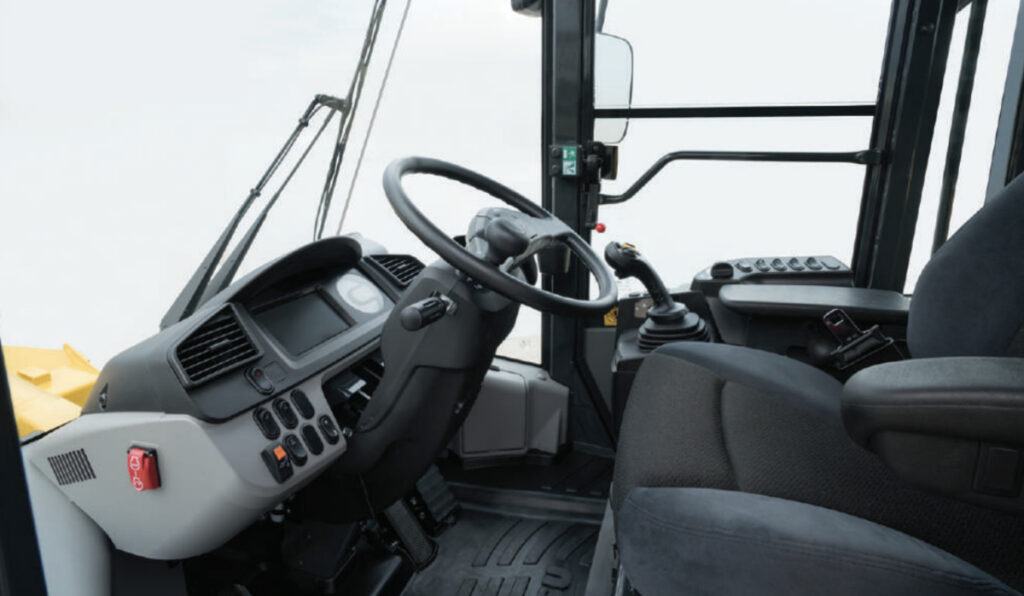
(198, 430)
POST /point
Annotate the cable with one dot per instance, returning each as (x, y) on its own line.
(373, 117)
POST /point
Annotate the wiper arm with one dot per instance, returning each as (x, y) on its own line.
(227, 271)
(192, 295)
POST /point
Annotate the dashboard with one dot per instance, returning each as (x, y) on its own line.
(192, 434)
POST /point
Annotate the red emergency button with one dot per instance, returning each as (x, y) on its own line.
(142, 468)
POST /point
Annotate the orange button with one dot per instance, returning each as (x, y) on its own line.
(280, 453)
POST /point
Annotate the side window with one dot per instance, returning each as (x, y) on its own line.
(979, 136)
(697, 212)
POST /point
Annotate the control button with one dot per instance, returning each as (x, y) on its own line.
(831, 263)
(812, 264)
(329, 429)
(295, 449)
(285, 413)
(266, 423)
(142, 469)
(795, 264)
(721, 270)
(744, 266)
(278, 462)
(259, 380)
(762, 265)
(316, 446)
(778, 265)
(302, 404)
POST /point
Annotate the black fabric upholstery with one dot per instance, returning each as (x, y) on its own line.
(704, 541)
(746, 420)
(969, 300)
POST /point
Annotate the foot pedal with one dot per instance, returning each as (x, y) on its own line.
(417, 545)
(433, 502)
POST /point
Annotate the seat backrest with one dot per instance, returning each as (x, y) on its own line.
(969, 300)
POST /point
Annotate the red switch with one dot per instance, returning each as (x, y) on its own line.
(599, 228)
(142, 468)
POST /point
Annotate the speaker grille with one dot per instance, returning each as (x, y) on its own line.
(71, 467)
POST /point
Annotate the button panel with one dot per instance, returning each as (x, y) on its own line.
(816, 269)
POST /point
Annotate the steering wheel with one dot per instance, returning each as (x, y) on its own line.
(500, 239)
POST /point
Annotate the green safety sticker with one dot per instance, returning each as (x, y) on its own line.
(568, 161)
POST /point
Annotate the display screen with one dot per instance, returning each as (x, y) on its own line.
(302, 323)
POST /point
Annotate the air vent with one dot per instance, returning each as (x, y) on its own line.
(401, 269)
(71, 467)
(349, 392)
(217, 346)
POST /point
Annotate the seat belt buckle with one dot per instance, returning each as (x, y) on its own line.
(858, 348)
(841, 326)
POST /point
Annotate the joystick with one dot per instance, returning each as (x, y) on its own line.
(667, 320)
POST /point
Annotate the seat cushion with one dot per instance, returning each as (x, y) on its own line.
(715, 416)
(705, 541)
(672, 432)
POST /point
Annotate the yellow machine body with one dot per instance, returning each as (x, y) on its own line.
(48, 387)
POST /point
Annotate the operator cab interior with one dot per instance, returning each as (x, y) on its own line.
(338, 420)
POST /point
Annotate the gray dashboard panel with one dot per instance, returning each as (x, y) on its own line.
(213, 480)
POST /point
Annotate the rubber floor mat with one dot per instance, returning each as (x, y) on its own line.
(499, 555)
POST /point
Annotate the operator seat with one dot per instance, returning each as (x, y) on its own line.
(734, 473)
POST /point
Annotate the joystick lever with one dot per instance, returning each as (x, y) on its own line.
(667, 320)
(627, 261)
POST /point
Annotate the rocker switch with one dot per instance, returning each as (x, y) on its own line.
(142, 469)
(259, 380)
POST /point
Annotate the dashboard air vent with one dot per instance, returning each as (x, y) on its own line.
(401, 269)
(217, 346)
(350, 391)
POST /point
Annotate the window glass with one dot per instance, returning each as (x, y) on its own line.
(752, 51)
(697, 212)
(993, 59)
(111, 198)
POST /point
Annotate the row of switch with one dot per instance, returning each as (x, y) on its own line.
(280, 457)
(727, 269)
(266, 423)
(793, 264)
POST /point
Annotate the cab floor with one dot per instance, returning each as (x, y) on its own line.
(488, 553)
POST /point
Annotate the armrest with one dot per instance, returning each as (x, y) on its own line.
(951, 425)
(686, 540)
(879, 306)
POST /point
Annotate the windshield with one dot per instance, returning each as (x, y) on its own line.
(130, 134)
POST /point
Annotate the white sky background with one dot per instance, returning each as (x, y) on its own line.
(130, 132)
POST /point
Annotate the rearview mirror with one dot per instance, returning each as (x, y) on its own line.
(613, 85)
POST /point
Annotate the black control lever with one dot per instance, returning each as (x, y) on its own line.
(667, 320)
(627, 261)
(424, 312)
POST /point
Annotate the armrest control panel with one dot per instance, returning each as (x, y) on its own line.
(819, 270)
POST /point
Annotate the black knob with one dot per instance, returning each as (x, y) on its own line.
(419, 314)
